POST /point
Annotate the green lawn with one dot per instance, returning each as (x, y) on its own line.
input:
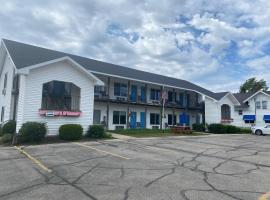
(151, 133)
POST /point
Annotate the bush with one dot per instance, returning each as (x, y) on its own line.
(96, 131)
(217, 128)
(232, 129)
(70, 132)
(198, 127)
(9, 127)
(222, 128)
(32, 132)
(7, 138)
(245, 130)
(0, 129)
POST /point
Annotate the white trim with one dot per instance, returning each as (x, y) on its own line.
(26, 70)
(116, 76)
(2, 41)
(260, 91)
(2, 48)
(229, 93)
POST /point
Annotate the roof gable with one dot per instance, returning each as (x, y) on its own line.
(68, 60)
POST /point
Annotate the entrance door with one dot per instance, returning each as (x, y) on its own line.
(133, 97)
(133, 119)
(97, 114)
(142, 119)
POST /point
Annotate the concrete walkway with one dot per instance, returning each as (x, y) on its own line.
(121, 137)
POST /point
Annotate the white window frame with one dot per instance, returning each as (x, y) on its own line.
(264, 105)
(258, 105)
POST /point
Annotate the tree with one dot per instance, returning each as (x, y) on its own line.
(252, 85)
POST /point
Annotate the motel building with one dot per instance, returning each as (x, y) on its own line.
(38, 84)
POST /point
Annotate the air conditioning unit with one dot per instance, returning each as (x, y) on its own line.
(155, 102)
(121, 99)
(4, 91)
(119, 127)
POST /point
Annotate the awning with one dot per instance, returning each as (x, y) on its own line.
(249, 117)
(266, 117)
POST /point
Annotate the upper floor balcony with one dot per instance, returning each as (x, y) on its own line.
(147, 94)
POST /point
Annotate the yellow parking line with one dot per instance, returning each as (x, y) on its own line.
(37, 162)
(106, 152)
(265, 196)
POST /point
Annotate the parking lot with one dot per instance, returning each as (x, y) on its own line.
(189, 168)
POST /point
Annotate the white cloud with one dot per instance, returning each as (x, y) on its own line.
(184, 39)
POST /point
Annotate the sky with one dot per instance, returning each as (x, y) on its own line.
(215, 44)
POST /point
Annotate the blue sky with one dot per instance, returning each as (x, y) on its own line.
(216, 44)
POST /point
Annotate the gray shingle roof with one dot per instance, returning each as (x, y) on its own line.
(24, 55)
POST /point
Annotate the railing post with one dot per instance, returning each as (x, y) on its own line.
(145, 107)
(108, 102)
(128, 104)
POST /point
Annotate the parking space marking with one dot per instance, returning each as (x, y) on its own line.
(265, 196)
(106, 152)
(34, 160)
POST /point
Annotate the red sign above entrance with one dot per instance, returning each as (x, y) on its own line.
(56, 113)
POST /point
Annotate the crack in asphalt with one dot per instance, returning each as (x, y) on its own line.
(190, 162)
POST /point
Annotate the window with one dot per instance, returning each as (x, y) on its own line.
(154, 118)
(155, 95)
(58, 95)
(240, 112)
(171, 96)
(249, 121)
(225, 112)
(99, 89)
(171, 119)
(264, 105)
(181, 99)
(5, 80)
(119, 117)
(120, 89)
(258, 104)
(2, 113)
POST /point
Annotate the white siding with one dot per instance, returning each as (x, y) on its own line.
(61, 71)
(6, 100)
(213, 111)
(138, 109)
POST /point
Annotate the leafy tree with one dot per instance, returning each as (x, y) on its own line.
(252, 85)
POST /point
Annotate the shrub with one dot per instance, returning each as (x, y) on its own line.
(216, 128)
(70, 132)
(198, 127)
(7, 138)
(245, 130)
(232, 129)
(9, 127)
(96, 131)
(0, 129)
(32, 132)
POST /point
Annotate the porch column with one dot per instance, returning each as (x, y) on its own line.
(145, 107)
(185, 101)
(161, 107)
(174, 98)
(128, 104)
(108, 103)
